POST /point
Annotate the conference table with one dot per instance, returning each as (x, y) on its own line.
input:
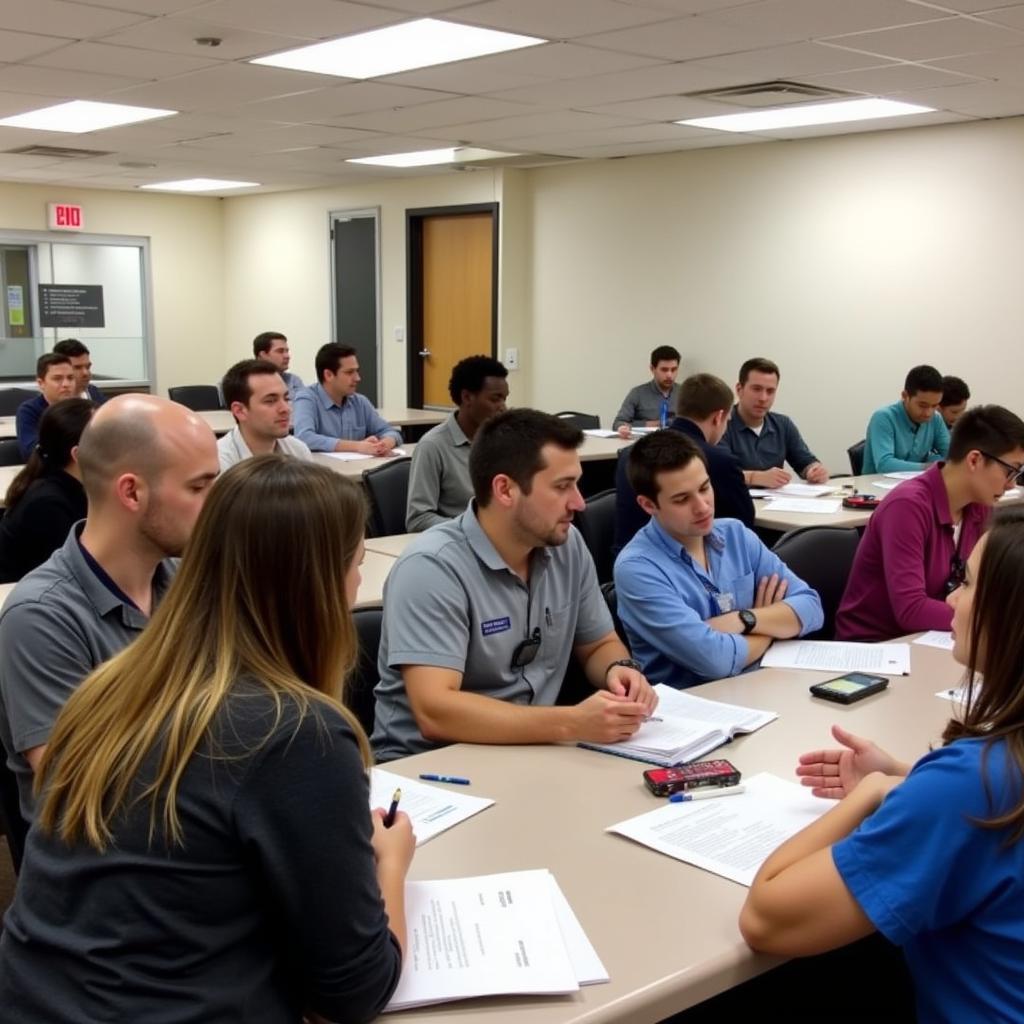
(665, 930)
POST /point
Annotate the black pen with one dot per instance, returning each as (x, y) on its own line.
(389, 818)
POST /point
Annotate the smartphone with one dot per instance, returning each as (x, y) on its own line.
(666, 781)
(849, 689)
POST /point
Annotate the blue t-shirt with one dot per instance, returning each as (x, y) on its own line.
(950, 892)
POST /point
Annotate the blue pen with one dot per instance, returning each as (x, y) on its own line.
(455, 779)
(706, 794)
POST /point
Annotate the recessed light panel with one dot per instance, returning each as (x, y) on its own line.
(386, 51)
(807, 114)
(80, 116)
(200, 185)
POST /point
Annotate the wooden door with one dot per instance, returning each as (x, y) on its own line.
(456, 298)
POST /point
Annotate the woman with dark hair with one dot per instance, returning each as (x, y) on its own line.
(931, 855)
(46, 498)
(204, 848)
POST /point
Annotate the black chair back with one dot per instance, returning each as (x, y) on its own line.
(388, 488)
(359, 698)
(583, 420)
(856, 454)
(597, 524)
(197, 397)
(11, 398)
(608, 592)
(10, 453)
(822, 557)
(12, 824)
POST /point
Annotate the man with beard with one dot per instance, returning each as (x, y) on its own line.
(147, 465)
(483, 613)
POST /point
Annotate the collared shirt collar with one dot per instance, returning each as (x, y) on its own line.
(653, 385)
(767, 424)
(456, 435)
(325, 399)
(485, 550)
(242, 450)
(715, 540)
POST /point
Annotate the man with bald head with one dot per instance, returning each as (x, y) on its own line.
(146, 466)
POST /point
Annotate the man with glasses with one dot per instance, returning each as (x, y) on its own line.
(483, 613)
(917, 541)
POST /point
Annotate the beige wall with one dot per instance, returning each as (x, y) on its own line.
(187, 253)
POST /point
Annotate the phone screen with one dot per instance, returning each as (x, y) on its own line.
(844, 685)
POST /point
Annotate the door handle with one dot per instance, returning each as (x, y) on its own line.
(424, 352)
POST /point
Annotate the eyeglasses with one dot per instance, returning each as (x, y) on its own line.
(526, 650)
(1013, 473)
(957, 573)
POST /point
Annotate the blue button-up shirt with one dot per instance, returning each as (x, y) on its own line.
(665, 597)
(320, 422)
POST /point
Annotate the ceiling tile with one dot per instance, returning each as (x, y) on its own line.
(664, 108)
(459, 110)
(685, 6)
(966, 6)
(290, 137)
(979, 99)
(1012, 17)
(154, 7)
(890, 80)
(556, 142)
(330, 104)
(178, 35)
(565, 19)
(100, 58)
(540, 123)
(15, 46)
(1002, 65)
(68, 20)
(791, 61)
(933, 40)
(78, 84)
(418, 6)
(314, 19)
(706, 140)
(853, 128)
(687, 38)
(809, 19)
(466, 76)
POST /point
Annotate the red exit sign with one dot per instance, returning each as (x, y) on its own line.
(65, 217)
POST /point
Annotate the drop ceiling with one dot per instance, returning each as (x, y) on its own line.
(612, 79)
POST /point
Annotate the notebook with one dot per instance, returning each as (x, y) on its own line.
(685, 728)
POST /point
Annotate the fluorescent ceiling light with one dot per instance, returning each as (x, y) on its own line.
(200, 185)
(80, 116)
(807, 114)
(428, 157)
(386, 51)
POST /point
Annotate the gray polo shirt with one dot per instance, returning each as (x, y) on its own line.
(439, 484)
(231, 448)
(452, 602)
(643, 403)
(59, 623)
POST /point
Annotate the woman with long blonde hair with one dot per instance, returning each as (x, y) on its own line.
(204, 849)
(929, 855)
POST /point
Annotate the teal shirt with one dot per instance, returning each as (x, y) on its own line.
(895, 443)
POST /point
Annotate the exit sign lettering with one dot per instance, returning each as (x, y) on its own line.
(65, 217)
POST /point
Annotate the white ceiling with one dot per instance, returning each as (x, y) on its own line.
(613, 77)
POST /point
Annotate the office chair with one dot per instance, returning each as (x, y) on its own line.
(856, 454)
(197, 397)
(12, 824)
(597, 525)
(822, 557)
(359, 698)
(608, 593)
(10, 453)
(583, 420)
(11, 398)
(388, 488)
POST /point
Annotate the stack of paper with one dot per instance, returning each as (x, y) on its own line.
(816, 506)
(505, 934)
(731, 836)
(685, 728)
(833, 656)
(905, 474)
(595, 432)
(431, 808)
(793, 491)
(356, 456)
(936, 638)
(886, 485)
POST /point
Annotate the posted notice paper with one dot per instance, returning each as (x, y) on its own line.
(731, 836)
(835, 656)
(505, 934)
(431, 808)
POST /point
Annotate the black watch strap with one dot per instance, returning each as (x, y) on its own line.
(749, 620)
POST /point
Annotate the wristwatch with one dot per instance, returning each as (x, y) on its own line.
(749, 620)
(625, 663)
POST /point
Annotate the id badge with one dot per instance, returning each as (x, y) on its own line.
(726, 603)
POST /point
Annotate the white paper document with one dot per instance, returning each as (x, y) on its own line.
(793, 491)
(886, 485)
(504, 934)
(936, 638)
(904, 474)
(595, 432)
(431, 808)
(356, 456)
(816, 506)
(957, 695)
(732, 836)
(834, 656)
